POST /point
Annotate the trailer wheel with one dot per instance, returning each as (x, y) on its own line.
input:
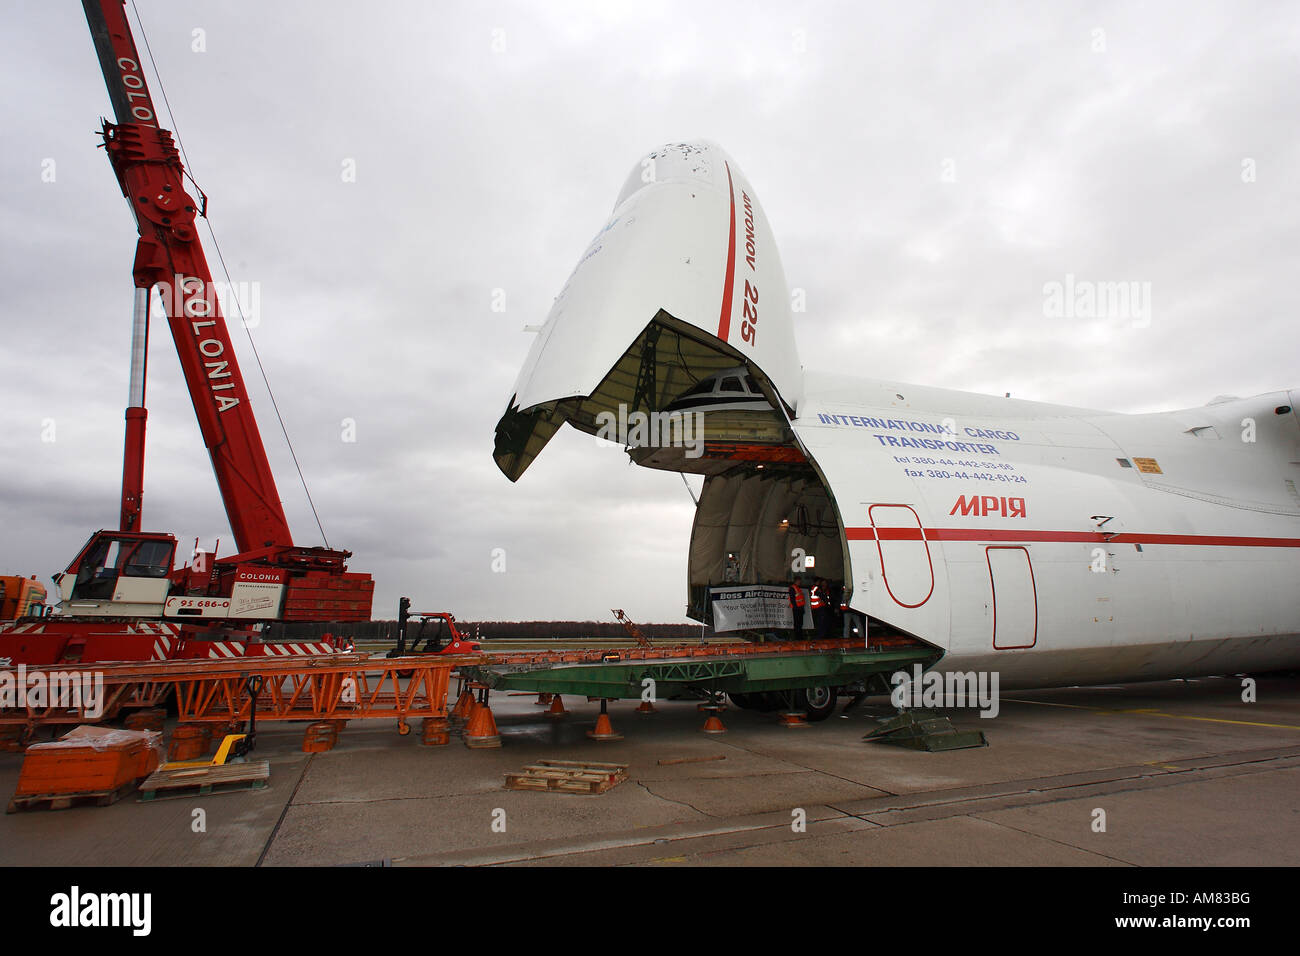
(817, 702)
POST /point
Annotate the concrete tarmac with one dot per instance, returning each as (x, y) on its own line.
(1183, 773)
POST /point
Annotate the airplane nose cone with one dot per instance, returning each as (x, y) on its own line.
(699, 160)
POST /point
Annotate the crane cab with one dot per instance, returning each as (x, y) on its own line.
(118, 573)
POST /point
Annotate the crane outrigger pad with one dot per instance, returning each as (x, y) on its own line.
(924, 730)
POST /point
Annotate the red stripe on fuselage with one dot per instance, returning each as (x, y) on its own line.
(1016, 534)
(724, 317)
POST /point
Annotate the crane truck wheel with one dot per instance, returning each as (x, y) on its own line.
(817, 702)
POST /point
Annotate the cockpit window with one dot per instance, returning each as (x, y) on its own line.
(152, 559)
(95, 561)
(731, 384)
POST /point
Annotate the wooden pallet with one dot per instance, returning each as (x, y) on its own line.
(201, 781)
(61, 801)
(568, 776)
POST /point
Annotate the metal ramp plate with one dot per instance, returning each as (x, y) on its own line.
(924, 730)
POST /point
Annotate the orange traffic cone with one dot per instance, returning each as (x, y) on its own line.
(464, 704)
(557, 707)
(794, 719)
(713, 725)
(603, 730)
(481, 731)
(646, 708)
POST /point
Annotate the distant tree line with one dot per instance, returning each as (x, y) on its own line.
(482, 630)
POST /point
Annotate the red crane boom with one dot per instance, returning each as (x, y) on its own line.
(168, 255)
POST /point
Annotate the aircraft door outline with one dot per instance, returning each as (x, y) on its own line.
(1005, 567)
(899, 535)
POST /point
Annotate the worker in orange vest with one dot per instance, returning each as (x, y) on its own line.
(797, 602)
(819, 602)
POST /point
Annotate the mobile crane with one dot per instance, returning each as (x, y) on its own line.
(120, 598)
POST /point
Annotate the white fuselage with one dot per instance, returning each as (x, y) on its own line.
(1065, 546)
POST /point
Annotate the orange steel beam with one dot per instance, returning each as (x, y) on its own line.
(315, 687)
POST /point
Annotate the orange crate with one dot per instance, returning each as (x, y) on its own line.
(189, 742)
(88, 763)
(149, 719)
(320, 736)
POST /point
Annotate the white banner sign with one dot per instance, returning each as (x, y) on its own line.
(752, 608)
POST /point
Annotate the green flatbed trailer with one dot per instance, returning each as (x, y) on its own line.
(732, 674)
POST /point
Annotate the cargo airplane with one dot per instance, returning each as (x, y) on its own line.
(1053, 545)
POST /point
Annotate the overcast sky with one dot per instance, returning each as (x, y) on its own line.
(926, 169)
